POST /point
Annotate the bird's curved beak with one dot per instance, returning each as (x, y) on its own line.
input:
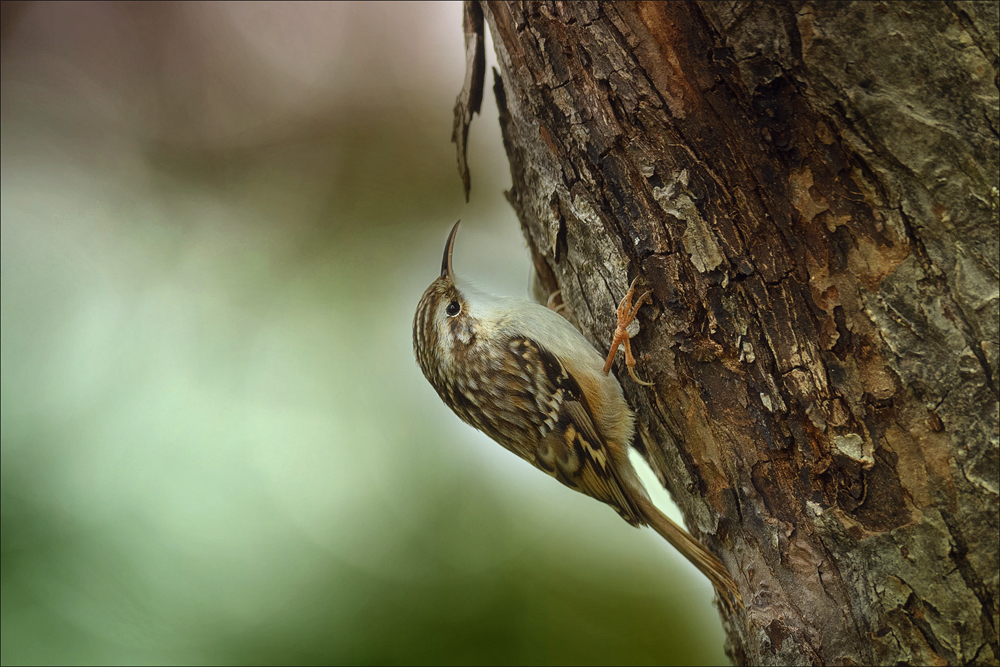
(449, 248)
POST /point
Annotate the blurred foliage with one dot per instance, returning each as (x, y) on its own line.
(216, 445)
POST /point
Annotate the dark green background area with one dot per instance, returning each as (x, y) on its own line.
(216, 445)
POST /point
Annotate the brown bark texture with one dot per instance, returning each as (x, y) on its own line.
(810, 192)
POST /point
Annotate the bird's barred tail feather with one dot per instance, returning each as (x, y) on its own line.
(699, 556)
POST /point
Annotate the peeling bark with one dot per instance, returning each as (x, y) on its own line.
(810, 191)
(471, 97)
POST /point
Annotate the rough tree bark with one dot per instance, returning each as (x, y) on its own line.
(810, 191)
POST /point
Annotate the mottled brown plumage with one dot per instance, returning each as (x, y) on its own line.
(523, 375)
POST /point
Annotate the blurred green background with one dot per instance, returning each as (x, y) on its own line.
(217, 220)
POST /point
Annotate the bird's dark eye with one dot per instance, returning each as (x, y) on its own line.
(453, 309)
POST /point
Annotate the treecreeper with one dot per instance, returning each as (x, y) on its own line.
(522, 374)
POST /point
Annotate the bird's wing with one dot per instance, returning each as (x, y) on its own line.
(569, 446)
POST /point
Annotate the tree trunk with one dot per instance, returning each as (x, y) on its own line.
(810, 192)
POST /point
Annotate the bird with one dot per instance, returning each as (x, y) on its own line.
(522, 374)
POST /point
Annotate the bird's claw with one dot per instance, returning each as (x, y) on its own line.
(626, 315)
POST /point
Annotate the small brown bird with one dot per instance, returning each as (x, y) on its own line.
(521, 373)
